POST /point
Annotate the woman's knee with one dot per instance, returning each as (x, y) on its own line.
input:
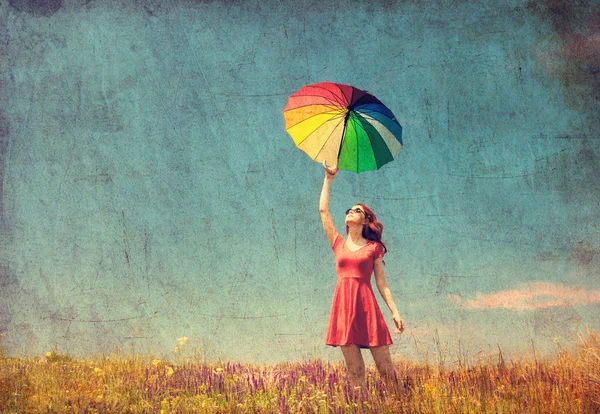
(384, 366)
(356, 367)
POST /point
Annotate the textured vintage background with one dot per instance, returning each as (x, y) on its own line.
(149, 190)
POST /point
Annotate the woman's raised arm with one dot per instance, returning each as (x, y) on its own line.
(328, 226)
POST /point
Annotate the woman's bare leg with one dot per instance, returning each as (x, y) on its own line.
(383, 361)
(356, 366)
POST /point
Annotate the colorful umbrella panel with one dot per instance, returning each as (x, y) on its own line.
(330, 121)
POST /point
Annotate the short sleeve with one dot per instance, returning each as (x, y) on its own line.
(378, 251)
(336, 240)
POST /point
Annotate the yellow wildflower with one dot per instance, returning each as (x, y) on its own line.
(182, 340)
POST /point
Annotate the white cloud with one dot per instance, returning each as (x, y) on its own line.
(534, 295)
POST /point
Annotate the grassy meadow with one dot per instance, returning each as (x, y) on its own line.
(133, 383)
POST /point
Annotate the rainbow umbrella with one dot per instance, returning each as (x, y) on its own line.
(331, 121)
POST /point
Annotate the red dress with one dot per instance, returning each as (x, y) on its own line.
(355, 316)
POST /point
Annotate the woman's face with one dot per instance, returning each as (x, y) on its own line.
(355, 215)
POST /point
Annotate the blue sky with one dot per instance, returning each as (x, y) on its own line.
(150, 190)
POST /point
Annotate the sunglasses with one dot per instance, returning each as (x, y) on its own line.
(356, 210)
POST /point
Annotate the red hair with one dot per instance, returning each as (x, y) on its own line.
(373, 229)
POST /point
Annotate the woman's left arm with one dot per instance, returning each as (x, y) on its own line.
(386, 293)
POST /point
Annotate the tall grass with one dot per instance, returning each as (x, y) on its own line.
(133, 383)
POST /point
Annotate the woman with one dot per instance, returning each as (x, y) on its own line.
(356, 321)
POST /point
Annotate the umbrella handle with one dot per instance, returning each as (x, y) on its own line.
(328, 168)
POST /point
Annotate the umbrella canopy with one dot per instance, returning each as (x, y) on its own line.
(331, 121)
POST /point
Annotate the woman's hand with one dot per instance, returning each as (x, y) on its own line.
(399, 323)
(330, 172)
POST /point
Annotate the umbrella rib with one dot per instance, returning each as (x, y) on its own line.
(312, 116)
(369, 98)
(306, 137)
(336, 107)
(379, 112)
(339, 101)
(325, 142)
(314, 95)
(394, 135)
(360, 119)
(333, 103)
(357, 146)
(381, 123)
